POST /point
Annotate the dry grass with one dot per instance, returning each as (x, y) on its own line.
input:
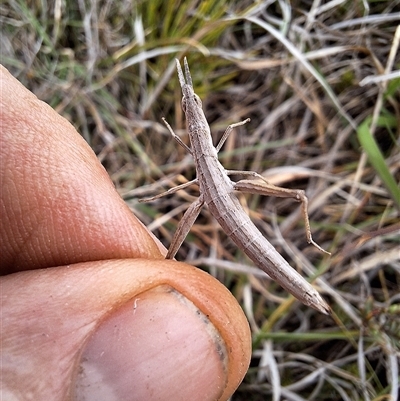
(295, 70)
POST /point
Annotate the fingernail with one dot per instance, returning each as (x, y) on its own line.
(158, 346)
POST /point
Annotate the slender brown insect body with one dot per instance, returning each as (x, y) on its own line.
(217, 191)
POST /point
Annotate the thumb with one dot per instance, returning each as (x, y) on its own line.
(134, 329)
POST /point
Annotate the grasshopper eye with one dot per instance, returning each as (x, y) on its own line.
(197, 100)
(184, 104)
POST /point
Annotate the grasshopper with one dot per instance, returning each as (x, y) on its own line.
(217, 191)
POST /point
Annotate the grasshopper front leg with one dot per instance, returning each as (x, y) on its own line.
(176, 137)
(184, 226)
(227, 132)
(267, 189)
(190, 215)
(170, 191)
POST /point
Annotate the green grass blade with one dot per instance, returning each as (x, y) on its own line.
(376, 158)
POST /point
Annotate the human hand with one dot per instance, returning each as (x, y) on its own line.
(89, 306)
